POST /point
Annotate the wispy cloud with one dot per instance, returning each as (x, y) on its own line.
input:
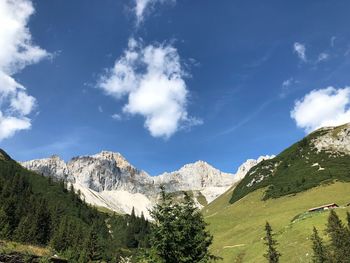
(286, 87)
(323, 107)
(333, 38)
(152, 78)
(300, 50)
(322, 57)
(116, 116)
(142, 6)
(16, 52)
(246, 119)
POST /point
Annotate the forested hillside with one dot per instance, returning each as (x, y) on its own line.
(323, 156)
(38, 210)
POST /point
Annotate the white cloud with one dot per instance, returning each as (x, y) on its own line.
(141, 7)
(322, 57)
(300, 50)
(116, 117)
(153, 79)
(9, 125)
(323, 107)
(16, 52)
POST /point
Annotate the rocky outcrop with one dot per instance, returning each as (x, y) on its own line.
(107, 179)
(334, 140)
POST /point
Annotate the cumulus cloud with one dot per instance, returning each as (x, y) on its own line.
(300, 50)
(16, 52)
(323, 107)
(152, 79)
(141, 7)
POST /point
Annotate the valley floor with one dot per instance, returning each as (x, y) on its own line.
(238, 228)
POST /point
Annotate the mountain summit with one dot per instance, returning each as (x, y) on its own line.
(107, 179)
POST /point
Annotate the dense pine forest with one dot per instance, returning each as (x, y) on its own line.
(37, 210)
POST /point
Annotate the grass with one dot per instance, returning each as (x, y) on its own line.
(7, 247)
(238, 228)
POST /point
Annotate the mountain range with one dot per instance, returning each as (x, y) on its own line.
(108, 180)
(279, 189)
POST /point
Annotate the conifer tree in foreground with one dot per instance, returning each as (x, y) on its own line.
(179, 234)
(339, 236)
(320, 251)
(272, 254)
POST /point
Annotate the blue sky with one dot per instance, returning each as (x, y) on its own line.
(169, 82)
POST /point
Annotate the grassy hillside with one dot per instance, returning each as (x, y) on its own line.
(298, 168)
(238, 227)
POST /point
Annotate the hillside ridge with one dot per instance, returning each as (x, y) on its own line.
(322, 156)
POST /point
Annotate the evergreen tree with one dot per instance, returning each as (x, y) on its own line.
(320, 252)
(4, 223)
(59, 238)
(23, 232)
(35, 209)
(179, 234)
(42, 223)
(272, 254)
(92, 248)
(339, 236)
(132, 230)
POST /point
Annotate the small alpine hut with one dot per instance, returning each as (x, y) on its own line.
(323, 207)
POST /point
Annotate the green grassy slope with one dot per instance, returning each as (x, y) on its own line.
(238, 227)
(298, 168)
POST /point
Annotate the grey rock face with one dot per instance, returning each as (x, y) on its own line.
(108, 179)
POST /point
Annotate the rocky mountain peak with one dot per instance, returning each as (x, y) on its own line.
(120, 160)
(198, 165)
(108, 179)
(335, 140)
(53, 166)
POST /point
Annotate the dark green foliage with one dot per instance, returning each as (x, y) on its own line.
(293, 171)
(37, 210)
(339, 236)
(321, 254)
(92, 245)
(272, 255)
(337, 250)
(179, 234)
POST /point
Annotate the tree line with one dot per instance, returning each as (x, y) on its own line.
(38, 210)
